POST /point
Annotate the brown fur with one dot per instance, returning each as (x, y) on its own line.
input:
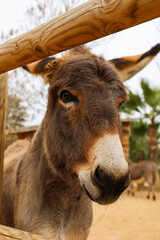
(76, 155)
(144, 172)
(129, 66)
(44, 190)
(126, 62)
(126, 66)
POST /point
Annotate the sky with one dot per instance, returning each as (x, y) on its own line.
(11, 11)
(128, 42)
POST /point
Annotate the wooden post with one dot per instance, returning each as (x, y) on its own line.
(8, 233)
(125, 138)
(91, 20)
(3, 108)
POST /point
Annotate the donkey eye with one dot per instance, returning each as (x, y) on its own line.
(67, 97)
(120, 104)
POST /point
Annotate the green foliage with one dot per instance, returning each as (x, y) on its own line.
(148, 106)
(140, 128)
(16, 113)
(151, 96)
(133, 103)
(138, 140)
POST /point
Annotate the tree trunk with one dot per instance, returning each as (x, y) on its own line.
(153, 143)
(141, 156)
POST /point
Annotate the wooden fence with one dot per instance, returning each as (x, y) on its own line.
(3, 107)
(91, 20)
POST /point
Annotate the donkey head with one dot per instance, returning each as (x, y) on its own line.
(82, 128)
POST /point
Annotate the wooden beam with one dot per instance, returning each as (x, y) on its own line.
(91, 20)
(3, 110)
(7, 233)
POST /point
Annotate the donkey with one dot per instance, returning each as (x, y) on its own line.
(144, 172)
(76, 155)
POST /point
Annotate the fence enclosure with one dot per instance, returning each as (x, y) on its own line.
(92, 20)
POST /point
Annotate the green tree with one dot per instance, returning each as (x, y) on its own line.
(138, 149)
(148, 106)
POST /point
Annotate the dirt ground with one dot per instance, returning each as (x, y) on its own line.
(130, 218)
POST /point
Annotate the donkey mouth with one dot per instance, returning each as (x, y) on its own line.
(104, 198)
(108, 193)
(88, 194)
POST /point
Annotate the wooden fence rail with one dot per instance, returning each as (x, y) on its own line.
(7, 233)
(3, 109)
(91, 20)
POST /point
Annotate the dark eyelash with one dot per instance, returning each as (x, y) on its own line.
(121, 103)
(67, 97)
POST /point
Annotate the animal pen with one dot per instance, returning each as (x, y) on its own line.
(90, 21)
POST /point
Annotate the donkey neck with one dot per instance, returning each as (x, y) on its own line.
(55, 190)
(66, 207)
(67, 203)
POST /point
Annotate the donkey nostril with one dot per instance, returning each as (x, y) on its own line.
(98, 175)
(128, 180)
(122, 183)
(101, 178)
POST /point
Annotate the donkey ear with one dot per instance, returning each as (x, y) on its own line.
(129, 66)
(46, 68)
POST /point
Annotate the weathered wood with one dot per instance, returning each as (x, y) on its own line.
(125, 138)
(7, 233)
(91, 20)
(3, 107)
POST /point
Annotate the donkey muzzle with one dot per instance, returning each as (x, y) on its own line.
(108, 176)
